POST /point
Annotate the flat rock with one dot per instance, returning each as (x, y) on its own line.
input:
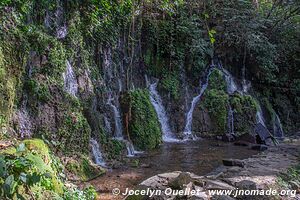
(217, 185)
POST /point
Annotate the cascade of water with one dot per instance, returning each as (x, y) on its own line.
(231, 85)
(259, 116)
(107, 125)
(70, 82)
(97, 152)
(196, 99)
(61, 28)
(246, 85)
(107, 63)
(118, 129)
(230, 120)
(24, 121)
(62, 32)
(25, 125)
(156, 101)
(117, 118)
(277, 127)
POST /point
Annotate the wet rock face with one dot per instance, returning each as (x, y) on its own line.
(202, 123)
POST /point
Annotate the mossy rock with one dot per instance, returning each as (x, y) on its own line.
(83, 168)
(216, 80)
(144, 128)
(42, 161)
(216, 102)
(245, 108)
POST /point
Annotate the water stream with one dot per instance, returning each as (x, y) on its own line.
(157, 103)
(199, 157)
(277, 127)
(118, 129)
(189, 116)
(97, 153)
(70, 81)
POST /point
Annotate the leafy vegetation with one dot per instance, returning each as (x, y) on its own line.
(244, 108)
(31, 171)
(144, 128)
(216, 101)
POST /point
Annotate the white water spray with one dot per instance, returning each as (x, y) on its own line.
(259, 116)
(189, 117)
(118, 129)
(97, 153)
(277, 127)
(70, 82)
(117, 118)
(230, 120)
(157, 103)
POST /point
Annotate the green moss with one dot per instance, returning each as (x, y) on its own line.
(34, 172)
(114, 148)
(216, 80)
(144, 128)
(83, 168)
(74, 133)
(10, 72)
(289, 178)
(170, 83)
(37, 153)
(216, 101)
(245, 108)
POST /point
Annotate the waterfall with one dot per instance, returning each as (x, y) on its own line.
(246, 85)
(97, 153)
(70, 82)
(118, 129)
(231, 85)
(107, 125)
(24, 121)
(117, 118)
(259, 117)
(62, 32)
(107, 63)
(156, 101)
(277, 127)
(196, 99)
(231, 88)
(230, 121)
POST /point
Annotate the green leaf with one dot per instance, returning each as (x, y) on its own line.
(3, 171)
(21, 148)
(10, 185)
(23, 177)
(33, 178)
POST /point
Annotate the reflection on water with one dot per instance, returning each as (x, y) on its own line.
(199, 157)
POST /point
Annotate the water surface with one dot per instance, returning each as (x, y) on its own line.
(199, 157)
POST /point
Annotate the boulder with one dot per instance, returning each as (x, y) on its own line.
(233, 162)
(183, 179)
(217, 185)
(262, 132)
(246, 185)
